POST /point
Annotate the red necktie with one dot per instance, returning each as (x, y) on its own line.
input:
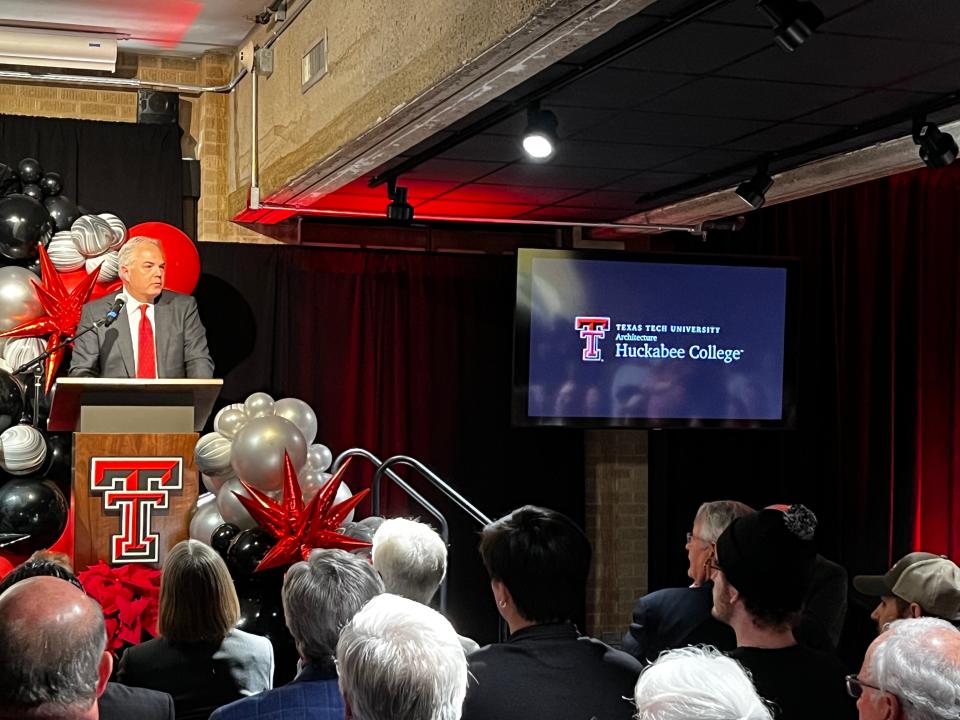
(146, 359)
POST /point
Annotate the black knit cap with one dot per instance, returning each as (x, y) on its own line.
(768, 556)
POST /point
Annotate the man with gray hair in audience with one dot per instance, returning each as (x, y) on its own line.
(910, 672)
(674, 617)
(697, 683)
(53, 658)
(412, 560)
(401, 660)
(320, 596)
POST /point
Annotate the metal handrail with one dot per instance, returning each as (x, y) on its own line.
(405, 486)
(458, 499)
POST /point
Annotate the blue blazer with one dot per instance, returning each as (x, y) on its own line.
(312, 695)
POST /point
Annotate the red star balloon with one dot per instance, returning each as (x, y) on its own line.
(62, 310)
(298, 528)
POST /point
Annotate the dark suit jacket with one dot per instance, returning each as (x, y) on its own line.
(200, 676)
(120, 702)
(312, 695)
(179, 335)
(550, 671)
(675, 617)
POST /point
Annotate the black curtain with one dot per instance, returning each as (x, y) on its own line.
(400, 353)
(127, 169)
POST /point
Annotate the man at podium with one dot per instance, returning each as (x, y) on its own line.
(157, 332)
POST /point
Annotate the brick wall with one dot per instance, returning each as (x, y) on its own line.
(616, 520)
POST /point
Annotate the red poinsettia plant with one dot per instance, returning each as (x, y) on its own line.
(130, 598)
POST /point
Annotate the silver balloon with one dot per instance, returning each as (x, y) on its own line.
(319, 457)
(229, 420)
(109, 264)
(92, 235)
(17, 351)
(257, 454)
(22, 449)
(18, 297)
(230, 508)
(212, 454)
(119, 230)
(205, 519)
(259, 405)
(213, 482)
(311, 481)
(300, 414)
(63, 253)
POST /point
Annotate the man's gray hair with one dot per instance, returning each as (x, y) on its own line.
(321, 595)
(697, 683)
(410, 557)
(49, 670)
(918, 661)
(125, 255)
(401, 660)
(714, 517)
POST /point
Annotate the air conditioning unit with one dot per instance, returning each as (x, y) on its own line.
(52, 48)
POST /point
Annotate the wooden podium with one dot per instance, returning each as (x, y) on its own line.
(134, 479)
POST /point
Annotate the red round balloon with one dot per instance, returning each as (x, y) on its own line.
(5, 567)
(183, 260)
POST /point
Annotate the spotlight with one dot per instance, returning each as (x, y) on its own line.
(398, 209)
(540, 137)
(754, 191)
(937, 148)
(793, 22)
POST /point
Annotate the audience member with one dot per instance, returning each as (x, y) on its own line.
(675, 617)
(824, 606)
(53, 659)
(401, 660)
(320, 596)
(763, 569)
(697, 683)
(919, 584)
(200, 657)
(412, 560)
(117, 701)
(538, 561)
(910, 672)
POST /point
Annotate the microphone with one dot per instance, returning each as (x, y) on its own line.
(114, 312)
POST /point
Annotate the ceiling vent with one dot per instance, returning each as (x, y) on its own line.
(51, 48)
(314, 65)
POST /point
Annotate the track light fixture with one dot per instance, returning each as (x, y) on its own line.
(793, 21)
(540, 137)
(937, 148)
(754, 191)
(398, 209)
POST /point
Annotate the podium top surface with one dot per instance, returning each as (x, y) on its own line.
(70, 394)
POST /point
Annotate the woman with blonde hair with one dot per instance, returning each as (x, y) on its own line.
(200, 657)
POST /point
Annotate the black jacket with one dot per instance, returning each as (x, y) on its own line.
(120, 702)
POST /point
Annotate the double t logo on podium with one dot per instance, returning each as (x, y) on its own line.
(136, 489)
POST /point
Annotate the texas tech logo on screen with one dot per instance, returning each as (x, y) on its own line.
(134, 489)
(593, 330)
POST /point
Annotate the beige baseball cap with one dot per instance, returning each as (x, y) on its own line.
(934, 585)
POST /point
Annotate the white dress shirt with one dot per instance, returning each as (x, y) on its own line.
(133, 320)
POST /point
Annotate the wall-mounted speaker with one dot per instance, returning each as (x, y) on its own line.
(157, 108)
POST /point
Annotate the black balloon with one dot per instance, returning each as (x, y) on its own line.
(63, 211)
(34, 507)
(11, 400)
(221, 537)
(30, 171)
(33, 191)
(248, 549)
(24, 224)
(56, 467)
(51, 183)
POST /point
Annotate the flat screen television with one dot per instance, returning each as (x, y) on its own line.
(607, 339)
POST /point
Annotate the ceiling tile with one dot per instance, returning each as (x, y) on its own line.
(602, 199)
(708, 161)
(780, 137)
(514, 194)
(453, 170)
(928, 21)
(753, 99)
(557, 176)
(583, 153)
(622, 32)
(649, 181)
(573, 214)
(745, 12)
(845, 60)
(697, 48)
(944, 79)
(494, 148)
(472, 209)
(570, 120)
(676, 130)
(865, 107)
